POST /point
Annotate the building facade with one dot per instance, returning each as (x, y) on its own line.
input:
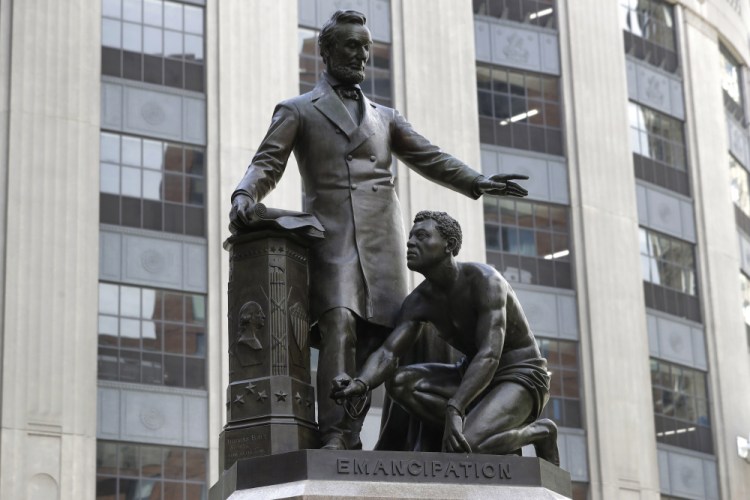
(126, 124)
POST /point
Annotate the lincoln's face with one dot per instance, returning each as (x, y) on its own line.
(347, 57)
(426, 247)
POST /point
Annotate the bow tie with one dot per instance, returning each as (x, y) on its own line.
(348, 92)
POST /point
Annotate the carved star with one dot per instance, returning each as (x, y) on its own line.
(262, 396)
(308, 403)
(239, 399)
(281, 396)
(250, 388)
(298, 398)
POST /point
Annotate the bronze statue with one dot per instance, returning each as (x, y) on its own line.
(490, 402)
(344, 144)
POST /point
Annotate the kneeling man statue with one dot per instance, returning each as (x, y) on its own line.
(491, 401)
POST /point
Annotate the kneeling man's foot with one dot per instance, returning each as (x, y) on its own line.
(546, 445)
(334, 443)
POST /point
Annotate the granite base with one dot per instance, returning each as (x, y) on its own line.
(324, 474)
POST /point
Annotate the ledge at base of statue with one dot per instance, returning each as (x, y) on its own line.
(319, 474)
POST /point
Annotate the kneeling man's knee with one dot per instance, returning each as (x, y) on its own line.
(402, 383)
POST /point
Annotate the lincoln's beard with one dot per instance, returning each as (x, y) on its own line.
(345, 74)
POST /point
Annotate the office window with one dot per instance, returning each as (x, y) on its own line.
(154, 41)
(152, 184)
(564, 406)
(536, 12)
(745, 287)
(668, 262)
(151, 336)
(658, 145)
(140, 472)
(731, 83)
(648, 28)
(740, 186)
(681, 414)
(669, 275)
(519, 109)
(528, 242)
(377, 83)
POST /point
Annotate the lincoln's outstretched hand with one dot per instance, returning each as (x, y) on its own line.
(242, 207)
(503, 185)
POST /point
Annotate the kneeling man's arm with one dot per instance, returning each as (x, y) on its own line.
(380, 365)
(489, 338)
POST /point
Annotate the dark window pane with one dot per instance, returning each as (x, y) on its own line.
(195, 224)
(152, 215)
(130, 366)
(109, 208)
(131, 65)
(111, 62)
(195, 373)
(151, 368)
(128, 489)
(131, 212)
(108, 363)
(173, 218)
(153, 69)
(173, 73)
(106, 488)
(194, 77)
(194, 161)
(174, 371)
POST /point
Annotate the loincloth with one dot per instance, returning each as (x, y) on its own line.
(530, 374)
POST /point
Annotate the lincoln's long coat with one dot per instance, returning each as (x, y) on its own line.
(345, 168)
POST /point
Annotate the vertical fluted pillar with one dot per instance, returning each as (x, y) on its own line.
(254, 58)
(614, 341)
(49, 135)
(728, 360)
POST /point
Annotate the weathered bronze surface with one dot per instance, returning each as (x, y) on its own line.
(344, 145)
(490, 402)
(270, 400)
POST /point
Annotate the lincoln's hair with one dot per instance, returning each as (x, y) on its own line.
(327, 37)
(447, 226)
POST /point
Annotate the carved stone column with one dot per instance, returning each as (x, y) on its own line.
(270, 400)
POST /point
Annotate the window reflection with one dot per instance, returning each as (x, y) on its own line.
(648, 26)
(730, 76)
(519, 109)
(564, 406)
(680, 399)
(528, 242)
(668, 262)
(140, 472)
(154, 41)
(152, 336)
(740, 186)
(536, 12)
(162, 188)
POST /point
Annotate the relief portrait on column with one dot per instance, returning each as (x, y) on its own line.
(251, 320)
(344, 145)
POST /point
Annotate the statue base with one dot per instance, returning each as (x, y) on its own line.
(319, 474)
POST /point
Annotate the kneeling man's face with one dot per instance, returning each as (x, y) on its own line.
(426, 247)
